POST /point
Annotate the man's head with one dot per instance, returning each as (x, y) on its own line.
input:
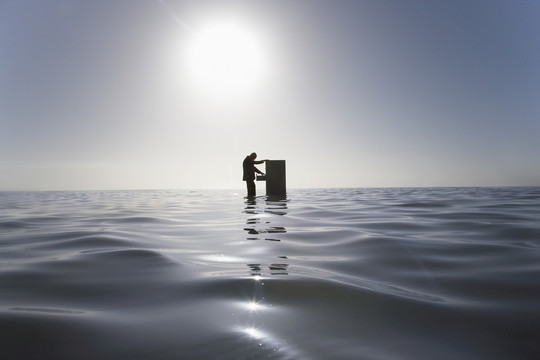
(253, 156)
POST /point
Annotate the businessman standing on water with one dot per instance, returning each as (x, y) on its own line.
(249, 172)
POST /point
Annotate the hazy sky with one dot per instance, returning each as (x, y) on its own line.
(104, 94)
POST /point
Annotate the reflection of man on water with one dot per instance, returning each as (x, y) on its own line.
(249, 172)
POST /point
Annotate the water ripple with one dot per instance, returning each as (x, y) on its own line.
(440, 273)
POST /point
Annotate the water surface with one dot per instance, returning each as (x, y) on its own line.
(444, 273)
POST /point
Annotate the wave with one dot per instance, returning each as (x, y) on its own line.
(438, 273)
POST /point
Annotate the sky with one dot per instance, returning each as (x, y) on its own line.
(173, 94)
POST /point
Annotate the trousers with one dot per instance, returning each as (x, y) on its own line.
(250, 187)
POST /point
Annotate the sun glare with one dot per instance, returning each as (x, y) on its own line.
(225, 59)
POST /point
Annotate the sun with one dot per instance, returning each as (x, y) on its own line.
(225, 59)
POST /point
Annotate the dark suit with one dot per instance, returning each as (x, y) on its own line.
(249, 174)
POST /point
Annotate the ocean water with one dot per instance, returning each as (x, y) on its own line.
(403, 273)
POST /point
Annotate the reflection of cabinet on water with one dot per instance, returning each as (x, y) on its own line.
(253, 230)
(271, 204)
(259, 227)
(274, 269)
(270, 230)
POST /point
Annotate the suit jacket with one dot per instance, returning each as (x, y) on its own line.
(250, 169)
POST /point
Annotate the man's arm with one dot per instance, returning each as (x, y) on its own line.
(257, 170)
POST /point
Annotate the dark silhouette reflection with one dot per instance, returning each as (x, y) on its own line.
(255, 269)
(278, 269)
(273, 269)
(276, 204)
(264, 228)
(269, 230)
(251, 205)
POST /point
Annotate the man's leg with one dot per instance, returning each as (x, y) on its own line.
(250, 187)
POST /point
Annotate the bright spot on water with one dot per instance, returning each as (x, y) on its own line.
(220, 258)
(253, 306)
(253, 333)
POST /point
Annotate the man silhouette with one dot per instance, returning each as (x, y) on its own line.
(249, 172)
